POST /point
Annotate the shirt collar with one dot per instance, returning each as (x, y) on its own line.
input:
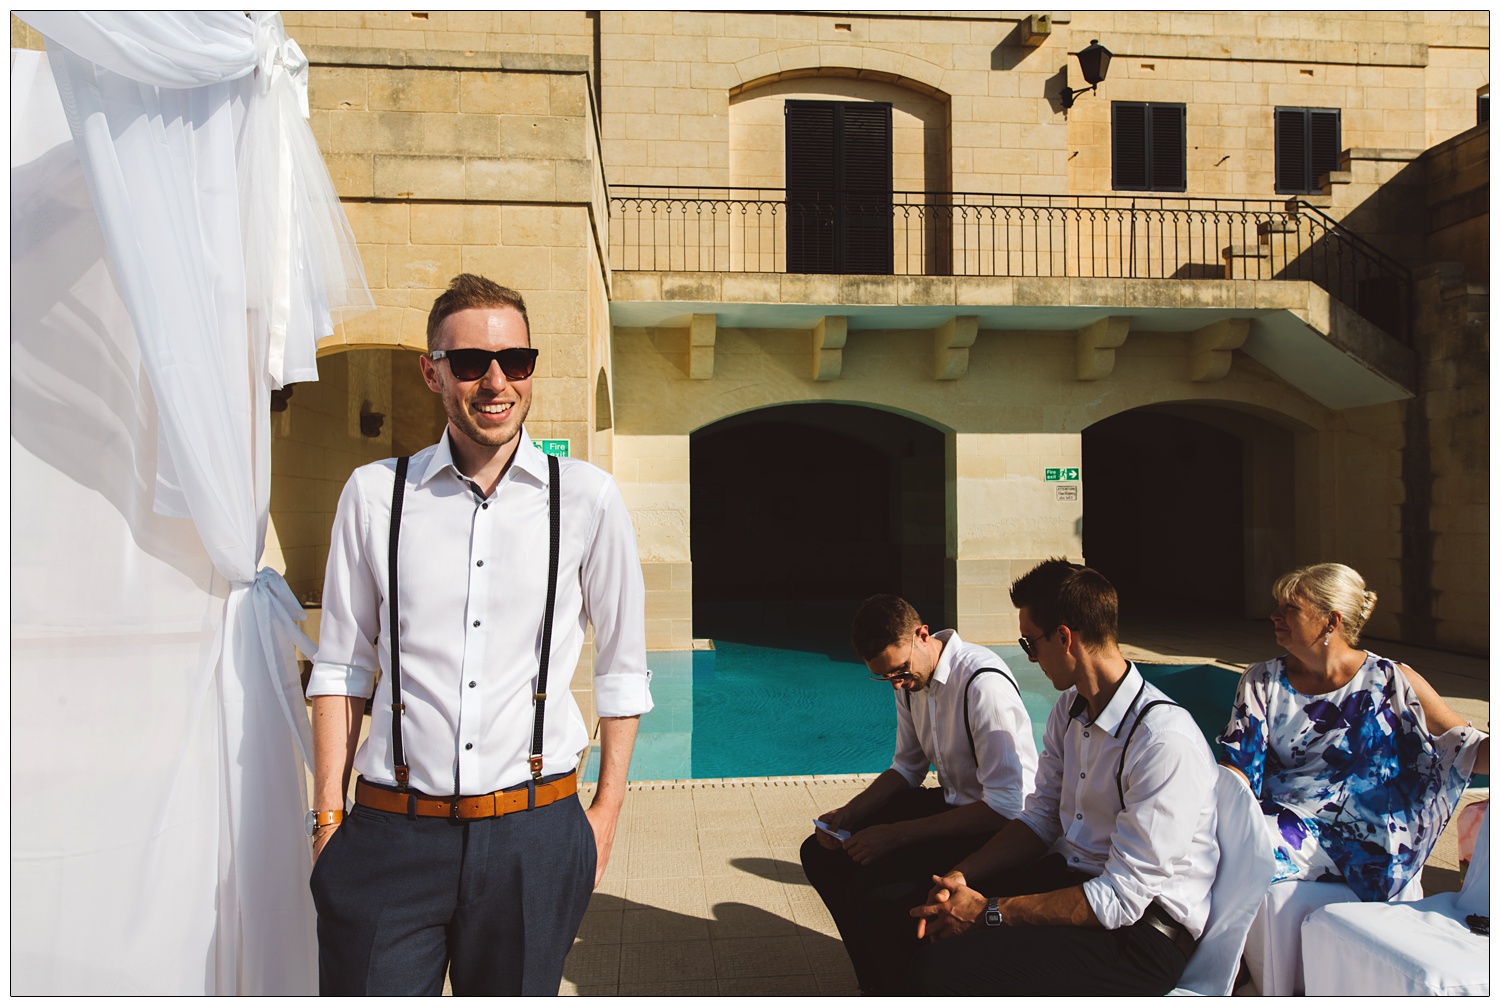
(945, 661)
(1113, 715)
(528, 459)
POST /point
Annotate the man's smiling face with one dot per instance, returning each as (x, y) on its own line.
(489, 410)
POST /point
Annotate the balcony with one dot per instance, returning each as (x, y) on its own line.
(741, 230)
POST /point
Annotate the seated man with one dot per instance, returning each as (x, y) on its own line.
(1127, 785)
(958, 709)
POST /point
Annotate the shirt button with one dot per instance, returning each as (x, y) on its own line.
(481, 563)
(1080, 775)
(1085, 733)
(484, 506)
(469, 746)
(1079, 817)
(1075, 860)
(476, 622)
(471, 685)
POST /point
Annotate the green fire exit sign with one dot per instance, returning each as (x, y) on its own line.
(557, 447)
(1062, 475)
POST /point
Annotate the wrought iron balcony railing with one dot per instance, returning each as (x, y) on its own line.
(989, 234)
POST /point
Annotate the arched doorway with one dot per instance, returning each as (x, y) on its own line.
(1189, 509)
(801, 511)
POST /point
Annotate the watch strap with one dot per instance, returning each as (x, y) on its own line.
(323, 819)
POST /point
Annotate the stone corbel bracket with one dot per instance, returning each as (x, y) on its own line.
(950, 344)
(828, 338)
(702, 332)
(1097, 343)
(1211, 348)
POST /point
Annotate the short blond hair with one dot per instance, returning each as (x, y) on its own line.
(1330, 587)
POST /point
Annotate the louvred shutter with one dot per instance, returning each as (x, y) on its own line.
(810, 185)
(866, 238)
(1129, 156)
(1291, 150)
(1168, 147)
(1323, 132)
(838, 187)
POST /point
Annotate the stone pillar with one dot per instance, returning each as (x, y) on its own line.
(1005, 516)
(653, 473)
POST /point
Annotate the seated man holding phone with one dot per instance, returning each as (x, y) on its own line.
(957, 709)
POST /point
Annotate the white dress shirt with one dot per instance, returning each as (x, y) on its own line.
(931, 731)
(473, 584)
(1162, 845)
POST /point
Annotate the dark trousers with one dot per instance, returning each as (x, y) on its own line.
(850, 891)
(501, 899)
(1047, 961)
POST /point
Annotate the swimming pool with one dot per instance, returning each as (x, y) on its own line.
(747, 710)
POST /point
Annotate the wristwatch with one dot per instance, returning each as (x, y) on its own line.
(992, 912)
(321, 819)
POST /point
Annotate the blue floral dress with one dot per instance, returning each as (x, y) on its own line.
(1352, 784)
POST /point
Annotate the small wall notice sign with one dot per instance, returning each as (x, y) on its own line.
(1062, 475)
(1067, 491)
(557, 447)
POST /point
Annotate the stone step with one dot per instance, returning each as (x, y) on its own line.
(1278, 225)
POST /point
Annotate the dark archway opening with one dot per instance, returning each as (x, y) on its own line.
(1163, 514)
(800, 512)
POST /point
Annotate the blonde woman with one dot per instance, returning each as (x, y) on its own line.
(1357, 761)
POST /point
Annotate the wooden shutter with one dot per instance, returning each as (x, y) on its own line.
(865, 238)
(1129, 134)
(1291, 150)
(1307, 147)
(838, 187)
(1168, 134)
(810, 186)
(1323, 144)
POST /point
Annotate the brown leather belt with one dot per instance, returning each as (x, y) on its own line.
(1156, 917)
(501, 802)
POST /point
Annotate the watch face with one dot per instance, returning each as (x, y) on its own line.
(312, 822)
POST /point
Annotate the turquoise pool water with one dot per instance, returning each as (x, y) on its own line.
(747, 710)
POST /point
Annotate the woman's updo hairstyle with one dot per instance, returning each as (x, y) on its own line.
(1330, 587)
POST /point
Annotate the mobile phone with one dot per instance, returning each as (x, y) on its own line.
(839, 834)
(1478, 925)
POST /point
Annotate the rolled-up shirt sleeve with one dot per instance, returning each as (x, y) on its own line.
(1170, 781)
(1042, 805)
(347, 657)
(614, 599)
(910, 761)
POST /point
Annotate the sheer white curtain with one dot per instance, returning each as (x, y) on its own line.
(177, 249)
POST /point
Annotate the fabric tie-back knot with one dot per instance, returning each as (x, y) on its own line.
(279, 60)
(277, 614)
(281, 611)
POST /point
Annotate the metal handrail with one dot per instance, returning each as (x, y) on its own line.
(914, 233)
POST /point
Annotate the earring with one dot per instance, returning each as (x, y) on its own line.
(1327, 636)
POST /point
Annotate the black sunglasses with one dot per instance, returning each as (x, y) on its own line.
(1029, 645)
(516, 362)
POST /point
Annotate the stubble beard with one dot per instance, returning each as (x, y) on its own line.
(462, 417)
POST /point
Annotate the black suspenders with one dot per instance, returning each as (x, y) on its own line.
(1125, 748)
(968, 728)
(398, 709)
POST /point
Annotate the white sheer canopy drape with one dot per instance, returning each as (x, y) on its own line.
(177, 250)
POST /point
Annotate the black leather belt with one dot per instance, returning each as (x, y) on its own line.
(1156, 917)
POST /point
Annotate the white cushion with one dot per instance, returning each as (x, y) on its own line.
(1391, 949)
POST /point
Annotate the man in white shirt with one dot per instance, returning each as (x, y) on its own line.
(1126, 785)
(958, 710)
(467, 851)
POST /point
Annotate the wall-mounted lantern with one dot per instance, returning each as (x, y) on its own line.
(1093, 60)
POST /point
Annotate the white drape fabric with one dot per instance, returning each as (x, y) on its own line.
(177, 250)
